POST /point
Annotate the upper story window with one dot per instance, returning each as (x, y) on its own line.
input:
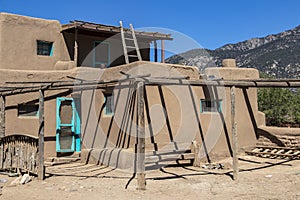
(44, 48)
(109, 103)
(210, 105)
(101, 54)
(28, 110)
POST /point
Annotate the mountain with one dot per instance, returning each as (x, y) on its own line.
(277, 55)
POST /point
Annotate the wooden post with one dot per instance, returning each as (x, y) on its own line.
(76, 48)
(2, 116)
(155, 51)
(162, 51)
(41, 172)
(141, 179)
(234, 134)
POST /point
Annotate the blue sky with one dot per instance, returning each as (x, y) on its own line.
(211, 23)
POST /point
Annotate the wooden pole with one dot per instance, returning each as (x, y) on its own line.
(141, 179)
(41, 172)
(155, 51)
(162, 51)
(76, 48)
(234, 134)
(2, 116)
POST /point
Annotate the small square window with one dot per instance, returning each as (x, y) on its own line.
(28, 110)
(44, 48)
(109, 104)
(210, 105)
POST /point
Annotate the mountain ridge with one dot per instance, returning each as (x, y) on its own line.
(277, 55)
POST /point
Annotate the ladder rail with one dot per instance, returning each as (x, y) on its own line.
(135, 43)
(126, 47)
(124, 43)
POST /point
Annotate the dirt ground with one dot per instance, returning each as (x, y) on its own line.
(259, 178)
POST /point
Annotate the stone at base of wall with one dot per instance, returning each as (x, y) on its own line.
(278, 136)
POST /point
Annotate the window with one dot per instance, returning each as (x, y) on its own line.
(28, 110)
(44, 48)
(210, 105)
(101, 54)
(109, 104)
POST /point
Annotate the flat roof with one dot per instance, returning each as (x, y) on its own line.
(102, 28)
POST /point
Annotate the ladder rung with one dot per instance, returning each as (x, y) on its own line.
(133, 56)
(128, 38)
(131, 47)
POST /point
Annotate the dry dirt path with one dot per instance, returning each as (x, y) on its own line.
(259, 179)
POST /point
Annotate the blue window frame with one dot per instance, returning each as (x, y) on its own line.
(101, 54)
(44, 48)
(210, 105)
(109, 103)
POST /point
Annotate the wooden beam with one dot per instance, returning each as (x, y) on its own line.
(141, 179)
(76, 48)
(162, 51)
(2, 116)
(155, 51)
(60, 85)
(234, 133)
(41, 172)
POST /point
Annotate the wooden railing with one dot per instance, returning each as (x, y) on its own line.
(19, 152)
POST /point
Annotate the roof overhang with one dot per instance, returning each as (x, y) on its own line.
(101, 29)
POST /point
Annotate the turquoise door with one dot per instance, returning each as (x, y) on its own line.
(67, 126)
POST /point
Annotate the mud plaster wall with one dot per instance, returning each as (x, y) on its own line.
(18, 39)
(248, 116)
(15, 124)
(282, 137)
(173, 110)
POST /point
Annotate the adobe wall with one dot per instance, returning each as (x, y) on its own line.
(15, 124)
(279, 136)
(18, 43)
(248, 116)
(174, 111)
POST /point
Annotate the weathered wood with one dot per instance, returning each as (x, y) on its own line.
(124, 43)
(76, 48)
(41, 172)
(19, 152)
(140, 167)
(234, 134)
(59, 85)
(2, 117)
(155, 51)
(196, 150)
(162, 51)
(1, 154)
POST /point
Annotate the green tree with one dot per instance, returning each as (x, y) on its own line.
(280, 105)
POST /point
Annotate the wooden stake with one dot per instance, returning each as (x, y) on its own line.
(162, 51)
(141, 180)
(234, 134)
(2, 116)
(41, 172)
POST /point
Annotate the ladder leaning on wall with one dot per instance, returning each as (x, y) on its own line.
(130, 45)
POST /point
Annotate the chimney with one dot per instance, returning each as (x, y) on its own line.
(229, 63)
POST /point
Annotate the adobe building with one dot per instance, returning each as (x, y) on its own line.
(100, 122)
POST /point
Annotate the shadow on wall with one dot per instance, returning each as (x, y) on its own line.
(271, 137)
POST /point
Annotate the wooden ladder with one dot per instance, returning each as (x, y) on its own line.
(132, 47)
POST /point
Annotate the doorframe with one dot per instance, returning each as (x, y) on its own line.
(75, 123)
